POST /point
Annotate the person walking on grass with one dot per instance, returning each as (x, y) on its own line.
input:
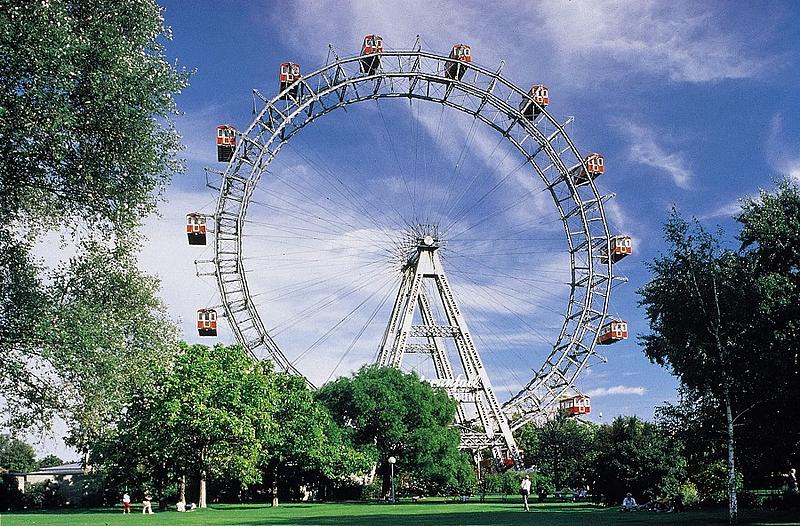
(126, 503)
(525, 490)
(147, 504)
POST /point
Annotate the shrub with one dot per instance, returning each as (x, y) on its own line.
(10, 495)
(712, 483)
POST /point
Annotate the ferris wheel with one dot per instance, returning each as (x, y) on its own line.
(444, 216)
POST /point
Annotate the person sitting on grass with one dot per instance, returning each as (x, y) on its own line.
(628, 503)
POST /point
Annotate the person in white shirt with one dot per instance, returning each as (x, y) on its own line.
(126, 503)
(628, 503)
(525, 490)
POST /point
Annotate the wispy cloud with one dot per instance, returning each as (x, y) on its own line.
(782, 156)
(726, 210)
(644, 148)
(606, 38)
(617, 390)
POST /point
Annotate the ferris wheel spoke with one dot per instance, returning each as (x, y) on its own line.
(348, 289)
(350, 195)
(327, 334)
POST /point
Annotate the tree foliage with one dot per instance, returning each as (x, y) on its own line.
(16, 455)
(562, 448)
(638, 457)
(205, 417)
(86, 96)
(725, 321)
(397, 414)
(308, 439)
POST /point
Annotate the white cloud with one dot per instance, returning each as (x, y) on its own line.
(782, 156)
(727, 210)
(609, 39)
(644, 148)
(617, 390)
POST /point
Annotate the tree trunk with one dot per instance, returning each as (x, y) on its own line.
(275, 484)
(182, 489)
(732, 503)
(201, 502)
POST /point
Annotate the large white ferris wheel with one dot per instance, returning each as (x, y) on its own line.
(402, 232)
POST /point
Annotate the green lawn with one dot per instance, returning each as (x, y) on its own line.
(433, 514)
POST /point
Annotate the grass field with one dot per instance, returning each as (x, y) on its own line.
(427, 514)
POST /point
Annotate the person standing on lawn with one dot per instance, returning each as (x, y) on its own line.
(525, 490)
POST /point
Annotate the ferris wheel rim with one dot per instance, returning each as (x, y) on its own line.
(566, 359)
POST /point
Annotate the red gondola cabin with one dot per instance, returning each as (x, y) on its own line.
(538, 98)
(196, 228)
(621, 246)
(576, 405)
(591, 167)
(463, 54)
(289, 75)
(613, 332)
(373, 44)
(207, 322)
(226, 142)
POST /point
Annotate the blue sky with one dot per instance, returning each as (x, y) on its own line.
(692, 104)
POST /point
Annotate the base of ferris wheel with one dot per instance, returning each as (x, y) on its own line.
(414, 328)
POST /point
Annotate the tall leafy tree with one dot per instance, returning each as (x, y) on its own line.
(308, 439)
(16, 455)
(635, 456)
(560, 448)
(397, 414)
(770, 238)
(702, 307)
(86, 98)
(205, 417)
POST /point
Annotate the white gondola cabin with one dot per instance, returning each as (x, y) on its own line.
(226, 142)
(196, 228)
(621, 246)
(576, 405)
(462, 54)
(207, 322)
(613, 332)
(591, 167)
(538, 98)
(289, 75)
(370, 53)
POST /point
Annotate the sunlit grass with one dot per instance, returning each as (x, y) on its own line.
(507, 513)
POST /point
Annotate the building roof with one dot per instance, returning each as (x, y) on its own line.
(73, 468)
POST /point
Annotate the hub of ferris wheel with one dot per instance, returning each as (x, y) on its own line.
(414, 328)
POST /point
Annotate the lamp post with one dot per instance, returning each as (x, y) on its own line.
(392, 461)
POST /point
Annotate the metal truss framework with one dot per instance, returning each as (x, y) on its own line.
(484, 94)
(493, 431)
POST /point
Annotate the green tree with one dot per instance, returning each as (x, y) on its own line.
(397, 414)
(560, 448)
(702, 307)
(49, 461)
(635, 456)
(207, 416)
(16, 455)
(308, 440)
(86, 98)
(770, 238)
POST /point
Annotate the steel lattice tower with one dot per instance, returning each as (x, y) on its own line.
(490, 430)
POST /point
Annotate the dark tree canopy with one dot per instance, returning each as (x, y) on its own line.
(636, 456)
(561, 448)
